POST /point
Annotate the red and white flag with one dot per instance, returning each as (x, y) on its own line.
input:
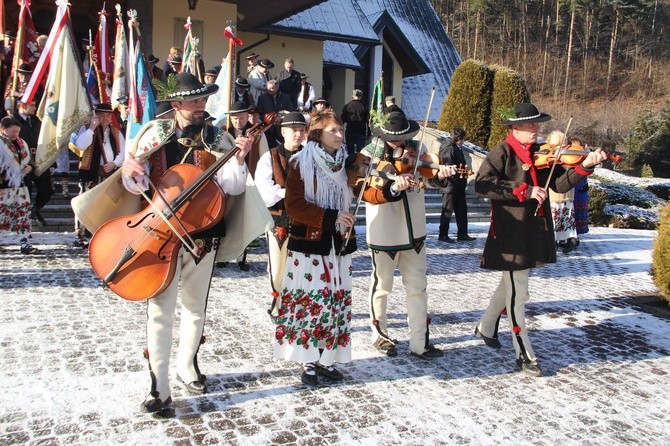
(65, 105)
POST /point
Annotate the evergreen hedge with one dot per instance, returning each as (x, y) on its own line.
(468, 104)
(509, 89)
(660, 262)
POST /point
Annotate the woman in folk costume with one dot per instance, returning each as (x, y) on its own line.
(313, 326)
(521, 234)
(562, 205)
(14, 196)
(271, 172)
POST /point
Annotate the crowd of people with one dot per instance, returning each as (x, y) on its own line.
(300, 168)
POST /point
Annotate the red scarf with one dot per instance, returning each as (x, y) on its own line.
(522, 151)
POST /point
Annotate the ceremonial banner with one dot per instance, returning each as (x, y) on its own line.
(142, 105)
(189, 54)
(377, 103)
(141, 98)
(218, 104)
(27, 39)
(45, 58)
(65, 105)
(121, 74)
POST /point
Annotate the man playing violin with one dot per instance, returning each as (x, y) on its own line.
(165, 143)
(521, 234)
(396, 234)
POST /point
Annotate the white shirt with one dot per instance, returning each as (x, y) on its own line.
(270, 191)
(85, 139)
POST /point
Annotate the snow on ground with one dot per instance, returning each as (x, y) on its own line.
(73, 372)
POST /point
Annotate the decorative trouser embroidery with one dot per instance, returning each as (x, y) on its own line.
(412, 267)
(511, 294)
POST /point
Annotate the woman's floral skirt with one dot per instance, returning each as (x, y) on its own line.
(315, 309)
(15, 210)
(564, 220)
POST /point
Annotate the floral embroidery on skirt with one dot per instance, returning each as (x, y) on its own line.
(315, 309)
(15, 210)
(564, 220)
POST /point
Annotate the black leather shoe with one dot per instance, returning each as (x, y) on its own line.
(386, 347)
(465, 238)
(446, 239)
(430, 353)
(329, 372)
(221, 264)
(490, 342)
(570, 245)
(308, 375)
(157, 406)
(530, 368)
(195, 387)
(244, 266)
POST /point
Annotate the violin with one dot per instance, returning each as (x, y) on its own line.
(429, 166)
(383, 172)
(568, 156)
(136, 256)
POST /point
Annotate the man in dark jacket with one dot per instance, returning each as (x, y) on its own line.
(355, 116)
(521, 234)
(30, 131)
(273, 101)
(289, 82)
(453, 199)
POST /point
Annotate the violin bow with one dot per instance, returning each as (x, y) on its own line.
(423, 132)
(375, 155)
(553, 166)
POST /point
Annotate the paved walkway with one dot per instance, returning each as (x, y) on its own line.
(72, 371)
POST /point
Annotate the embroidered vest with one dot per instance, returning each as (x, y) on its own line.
(91, 160)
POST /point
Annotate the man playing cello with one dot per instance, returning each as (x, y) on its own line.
(185, 139)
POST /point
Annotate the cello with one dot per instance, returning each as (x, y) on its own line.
(136, 256)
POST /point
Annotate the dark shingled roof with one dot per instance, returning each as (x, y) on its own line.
(421, 26)
(339, 54)
(336, 20)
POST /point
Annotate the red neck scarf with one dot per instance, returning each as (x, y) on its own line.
(522, 151)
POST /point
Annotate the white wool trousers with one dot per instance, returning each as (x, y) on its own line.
(412, 266)
(512, 293)
(195, 280)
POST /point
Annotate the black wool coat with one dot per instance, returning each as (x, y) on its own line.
(518, 239)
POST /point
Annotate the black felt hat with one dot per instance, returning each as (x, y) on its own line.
(242, 82)
(266, 63)
(293, 119)
(322, 101)
(396, 128)
(189, 88)
(123, 100)
(152, 59)
(176, 60)
(103, 107)
(252, 55)
(526, 113)
(239, 107)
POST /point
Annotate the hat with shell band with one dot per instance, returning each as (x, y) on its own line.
(525, 113)
(396, 127)
(183, 87)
